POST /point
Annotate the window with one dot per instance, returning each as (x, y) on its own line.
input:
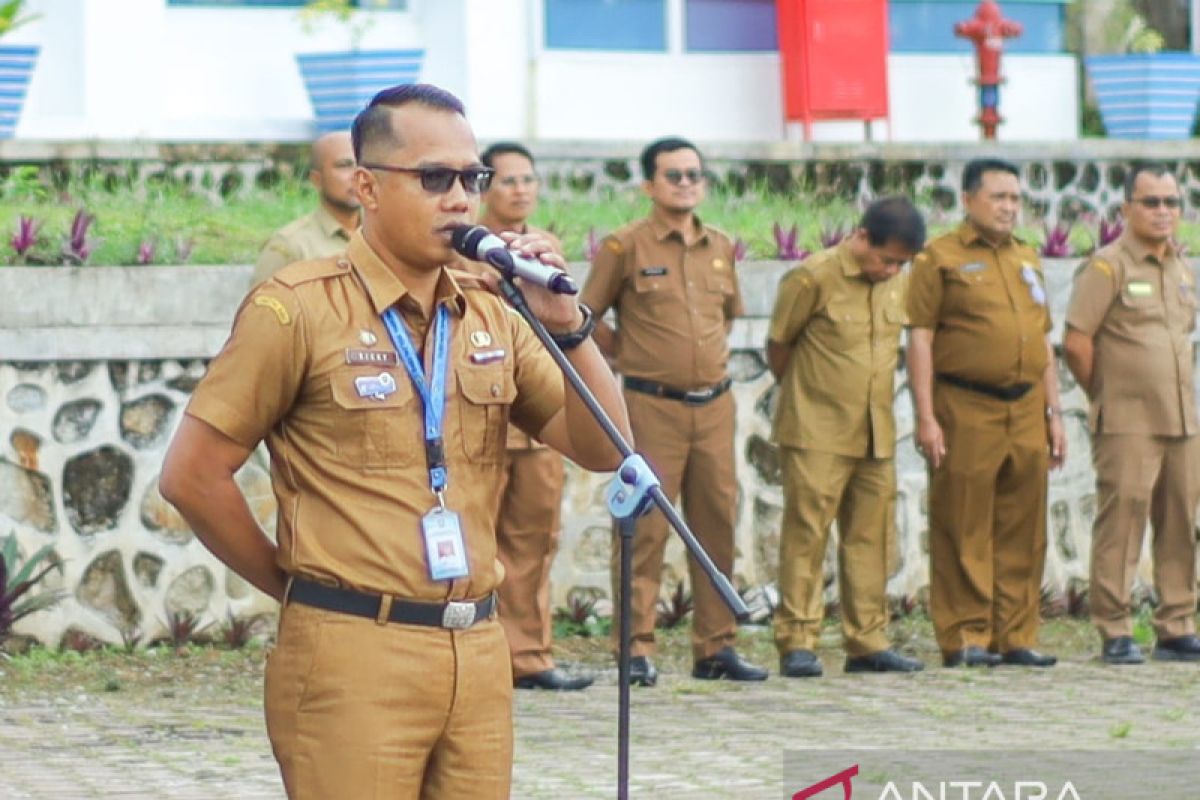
(730, 26)
(925, 26)
(637, 25)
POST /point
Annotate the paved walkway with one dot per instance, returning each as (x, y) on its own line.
(691, 739)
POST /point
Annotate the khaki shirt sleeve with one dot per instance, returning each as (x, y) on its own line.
(539, 380)
(795, 304)
(924, 303)
(603, 286)
(1093, 293)
(255, 378)
(733, 305)
(275, 255)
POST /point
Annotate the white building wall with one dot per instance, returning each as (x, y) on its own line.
(158, 72)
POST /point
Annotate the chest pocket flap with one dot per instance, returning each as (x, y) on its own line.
(374, 432)
(485, 393)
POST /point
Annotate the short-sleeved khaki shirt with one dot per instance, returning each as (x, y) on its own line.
(315, 235)
(1140, 314)
(986, 305)
(838, 388)
(349, 470)
(673, 300)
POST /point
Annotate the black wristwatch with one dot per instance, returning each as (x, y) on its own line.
(569, 341)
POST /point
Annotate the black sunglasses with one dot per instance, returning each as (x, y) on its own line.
(438, 180)
(676, 176)
(1151, 201)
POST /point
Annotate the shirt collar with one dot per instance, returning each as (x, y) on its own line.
(328, 225)
(850, 267)
(1141, 253)
(386, 290)
(662, 230)
(969, 235)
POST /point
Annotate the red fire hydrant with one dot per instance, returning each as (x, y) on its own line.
(987, 30)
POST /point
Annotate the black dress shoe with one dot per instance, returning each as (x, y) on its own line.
(883, 661)
(800, 664)
(726, 663)
(555, 680)
(1178, 648)
(1121, 650)
(1024, 657)
(973, 656)
(642, 672)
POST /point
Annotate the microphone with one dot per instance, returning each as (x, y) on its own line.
(479, 244)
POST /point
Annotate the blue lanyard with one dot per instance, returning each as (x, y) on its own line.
(433, 392)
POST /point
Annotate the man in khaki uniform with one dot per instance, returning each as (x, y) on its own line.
(528, 525)
(833, 345)
(671, 281)
(985, 391)
(383, 385)
(1129, 344)
(327, 230)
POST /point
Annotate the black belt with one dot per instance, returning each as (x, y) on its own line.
(696, 397)
(1006, 393)
(456, 615)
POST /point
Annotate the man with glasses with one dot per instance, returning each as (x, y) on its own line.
(982, 371)
(1129, 345)
(383, 384)
(327, 230)
(527, 528)
(671, 281)
(833, 344)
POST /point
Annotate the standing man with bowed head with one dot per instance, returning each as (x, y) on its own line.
(671, 280)
(383, 384)
(327, 229)
(529, 521)
(833, 343)
(982, 371)
(1129, 345)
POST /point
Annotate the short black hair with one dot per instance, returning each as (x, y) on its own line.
(667, 144)
(503, 149)
(1155, 168)
(374, 123)
(972, 177)
(894, 218)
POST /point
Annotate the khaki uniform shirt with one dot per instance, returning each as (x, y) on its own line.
(674, 301)
(1140, 313)
(349, 471)
(986, 305)
(837, 391)
(517, 438)
(315, 235)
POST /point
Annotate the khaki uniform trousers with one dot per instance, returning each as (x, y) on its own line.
(1142, 478)
(369, 711)
(987, 520)
(691, 450)
(860, 493)
(527, 533)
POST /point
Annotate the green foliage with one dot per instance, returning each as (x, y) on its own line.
(344, 12)
(579, 618)
(11, 17)
(18, 581)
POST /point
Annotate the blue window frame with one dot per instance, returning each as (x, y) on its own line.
(631, 25)
(927, 26)
(725, 26)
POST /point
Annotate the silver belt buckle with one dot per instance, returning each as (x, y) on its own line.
(698, 396)
(458, 616)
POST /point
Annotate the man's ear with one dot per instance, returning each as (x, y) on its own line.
(366, 188)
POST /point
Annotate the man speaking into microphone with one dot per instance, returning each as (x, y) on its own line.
(383, 384)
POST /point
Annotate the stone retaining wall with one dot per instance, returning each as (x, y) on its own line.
(97, 363)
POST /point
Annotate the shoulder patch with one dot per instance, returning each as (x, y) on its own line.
(273, 303)
(612, 244)
(312, 270)
(1102, 266)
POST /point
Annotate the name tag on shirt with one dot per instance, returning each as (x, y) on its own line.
(375, 386)
(445, 550)
(973, 267)
(654, 272)
(379, 358)
(1139, 289)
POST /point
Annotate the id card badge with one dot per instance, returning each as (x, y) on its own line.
(445, 550)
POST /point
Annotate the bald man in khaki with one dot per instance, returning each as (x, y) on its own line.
(326, 231)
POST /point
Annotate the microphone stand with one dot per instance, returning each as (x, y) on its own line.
(631, 493)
